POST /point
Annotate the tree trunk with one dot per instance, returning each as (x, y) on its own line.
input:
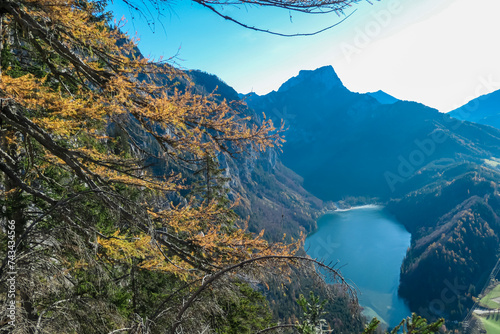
(15, 204)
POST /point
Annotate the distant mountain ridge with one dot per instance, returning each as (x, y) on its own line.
(483, 110)
(341, 136)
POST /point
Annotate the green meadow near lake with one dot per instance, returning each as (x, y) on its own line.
(492, 325)
(492, 299)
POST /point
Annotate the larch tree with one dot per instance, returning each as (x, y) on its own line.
(91, 240)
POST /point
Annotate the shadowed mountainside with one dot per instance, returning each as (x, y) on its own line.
(438, 175)
(483, 110)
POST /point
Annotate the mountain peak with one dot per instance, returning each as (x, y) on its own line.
(325, 76)
(383, 97)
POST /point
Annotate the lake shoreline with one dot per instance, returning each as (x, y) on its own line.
(360, 207)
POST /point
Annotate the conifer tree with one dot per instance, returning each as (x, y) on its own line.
(213, 184)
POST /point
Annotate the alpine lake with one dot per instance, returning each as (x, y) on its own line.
(368, 246)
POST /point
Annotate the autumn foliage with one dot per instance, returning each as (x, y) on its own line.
(81, 113)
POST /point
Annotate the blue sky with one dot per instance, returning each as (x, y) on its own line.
(442, 53)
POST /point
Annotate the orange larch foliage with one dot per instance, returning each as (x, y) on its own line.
(91, 80)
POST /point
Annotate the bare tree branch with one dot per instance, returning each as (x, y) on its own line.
(276, 327)
(229, 18)
(242, 264)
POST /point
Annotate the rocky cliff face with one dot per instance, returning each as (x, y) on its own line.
(323, 78)
(271, 195)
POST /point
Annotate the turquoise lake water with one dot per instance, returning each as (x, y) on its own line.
(370, 246)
